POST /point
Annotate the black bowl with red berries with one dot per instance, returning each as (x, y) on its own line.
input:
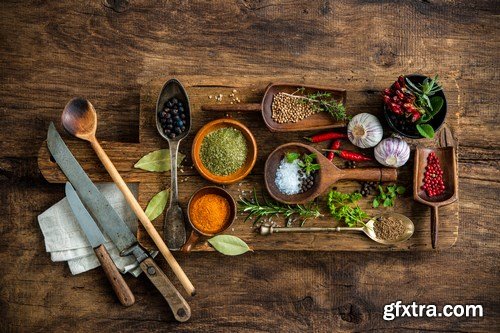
(415, 106)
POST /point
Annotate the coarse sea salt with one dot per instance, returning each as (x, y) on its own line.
(288, 178)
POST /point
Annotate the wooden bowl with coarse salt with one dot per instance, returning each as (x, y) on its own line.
(251, 155)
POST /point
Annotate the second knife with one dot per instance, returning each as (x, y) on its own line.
(96, 240)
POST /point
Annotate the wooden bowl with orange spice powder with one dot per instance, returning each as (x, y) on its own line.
(211, 210)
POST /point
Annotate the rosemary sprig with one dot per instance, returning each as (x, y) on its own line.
(268, 208)
(321, 102)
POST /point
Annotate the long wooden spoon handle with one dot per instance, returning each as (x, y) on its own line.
(371, 174)
(150, 229)
(243, 107)
(179, 306)
(434, 226)
(122, 291)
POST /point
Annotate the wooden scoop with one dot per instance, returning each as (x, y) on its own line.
(80, 119)
(318, 121)
(448, 162)
(327, 175)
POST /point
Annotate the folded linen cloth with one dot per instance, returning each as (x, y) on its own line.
(65, 241)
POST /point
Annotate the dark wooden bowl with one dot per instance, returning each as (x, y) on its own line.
(316, 121)
(448, 161)
(325, 177)
(251, 154)
(436, 122)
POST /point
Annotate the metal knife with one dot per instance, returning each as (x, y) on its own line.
(96, 240)
(109, 220)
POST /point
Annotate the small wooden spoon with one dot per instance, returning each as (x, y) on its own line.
(80, 119)
(448, 161)
(325, 177)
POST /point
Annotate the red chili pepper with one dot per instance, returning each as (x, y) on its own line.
(353, 156)
(326, 136)
(335, 146)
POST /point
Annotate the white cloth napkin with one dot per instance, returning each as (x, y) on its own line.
(65, 241)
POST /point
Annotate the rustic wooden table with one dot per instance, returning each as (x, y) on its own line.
(108, 50)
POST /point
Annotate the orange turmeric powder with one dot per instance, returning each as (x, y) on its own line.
(210, 213)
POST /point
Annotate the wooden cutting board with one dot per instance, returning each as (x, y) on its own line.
(250, 89)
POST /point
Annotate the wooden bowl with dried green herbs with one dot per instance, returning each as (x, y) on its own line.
(224, 151)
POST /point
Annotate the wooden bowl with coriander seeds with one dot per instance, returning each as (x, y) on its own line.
(224, 151)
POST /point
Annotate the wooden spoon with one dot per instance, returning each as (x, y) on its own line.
(448, 162)
(80, 119)
(327, 175)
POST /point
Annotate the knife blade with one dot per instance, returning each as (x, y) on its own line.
(96, 240)
(109, 220)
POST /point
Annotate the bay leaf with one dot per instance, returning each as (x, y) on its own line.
(157, 161)
(157, 204)
(229, 245)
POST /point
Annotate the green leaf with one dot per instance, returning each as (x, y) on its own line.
(425, 130)
(157, 161)
(290, 157)
(401, 189)
(436, 103)
(376, 203)
(157, 204)
(229, 245)
(387, 202)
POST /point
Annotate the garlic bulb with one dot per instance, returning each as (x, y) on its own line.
(364, 130)
(392, 152)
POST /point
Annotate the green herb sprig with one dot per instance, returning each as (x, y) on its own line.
(307, 163)
(428, 104)
(387, 196)
(343, 207)
(324, 101)
(268, 208)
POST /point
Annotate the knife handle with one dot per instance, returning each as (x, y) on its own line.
(119, 285)
(179, 306)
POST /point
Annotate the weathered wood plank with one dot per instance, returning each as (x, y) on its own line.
(52, 51)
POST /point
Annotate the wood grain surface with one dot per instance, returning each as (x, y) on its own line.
(107, 50)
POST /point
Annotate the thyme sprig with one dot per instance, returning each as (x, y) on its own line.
(269, 208)
(321, 102)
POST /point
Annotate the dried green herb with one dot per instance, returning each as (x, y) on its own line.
(343, 208)
(224, 151)
(229, 245)
(157, 161)
(157, 204)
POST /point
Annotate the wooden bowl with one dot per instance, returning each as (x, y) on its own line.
(251, 154)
